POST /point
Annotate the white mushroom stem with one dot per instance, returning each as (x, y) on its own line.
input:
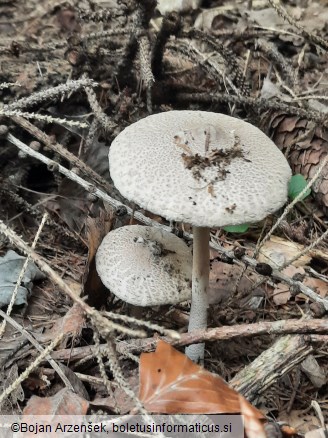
(200, 278)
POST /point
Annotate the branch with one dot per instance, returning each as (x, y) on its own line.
(303, 326)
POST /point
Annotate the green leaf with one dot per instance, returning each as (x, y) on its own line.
(236, 228)
(296, 185)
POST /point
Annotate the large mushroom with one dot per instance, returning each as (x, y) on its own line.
(201, 168)
(145, 266)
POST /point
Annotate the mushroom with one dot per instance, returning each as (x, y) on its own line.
(145, 266)
(202, 168)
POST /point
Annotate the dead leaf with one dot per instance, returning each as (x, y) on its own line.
(317, 433)
(281, 294)
(119, 400)
(277, 251)
(169, 381)
(223, 279)
(301, 421)
(319, 286)
(65, 402)
(96, 230)
(10, 267)
(315, 373)
(76, 383)
(71, 325)
(37, 381)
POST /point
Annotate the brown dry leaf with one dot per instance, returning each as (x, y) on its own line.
(96, 230)
(301, 421)
(319, 286)
(277, 251)
(169, 381)
(71, 325)
(314, 371)
(317, 433)
(37, 381)
(281, 294)
(292, 270)
(77, 384)
(65, 402)
(120, 401)
(223, 279)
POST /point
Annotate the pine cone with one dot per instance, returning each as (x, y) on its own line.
(307, 146)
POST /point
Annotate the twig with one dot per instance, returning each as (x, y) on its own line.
(131, 320)
(298, 198)
(271, 365)
(230, 58)
(305, 250)
(31, 367)
(22, 273)
(170, 26)
(43, 117)
(275, 56)
(49, 94)
(146, 73)
(36, 344)
(59, 149)
(284, 327)
(257, 104)
(86, 185)
(306, 34)
(99, 113)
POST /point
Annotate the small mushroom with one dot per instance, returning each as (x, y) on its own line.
(202, 168)
(145, 266)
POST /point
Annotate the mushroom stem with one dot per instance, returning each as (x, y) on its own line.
(200, 278)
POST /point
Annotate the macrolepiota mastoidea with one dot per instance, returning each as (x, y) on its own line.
(145, 266)
(202, 168)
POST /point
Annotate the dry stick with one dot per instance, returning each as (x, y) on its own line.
(36, 344)
(257, 104)
(50, 94)
(22, 273)
(272, 364)
(59, 149)
(32, 367)
(98, 112)
(306, 34)
(101, 322)
(105, 379)
(305, 250)
(110, 353)
(145, 68)
(303, 326)
(147, 324)
(46, 118)
(147, 221)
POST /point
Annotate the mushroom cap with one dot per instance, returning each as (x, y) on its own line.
(199, 167)
(145, 266)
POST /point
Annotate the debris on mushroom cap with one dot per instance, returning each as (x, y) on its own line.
(145, 266)
(165, 6)
(203, 168)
